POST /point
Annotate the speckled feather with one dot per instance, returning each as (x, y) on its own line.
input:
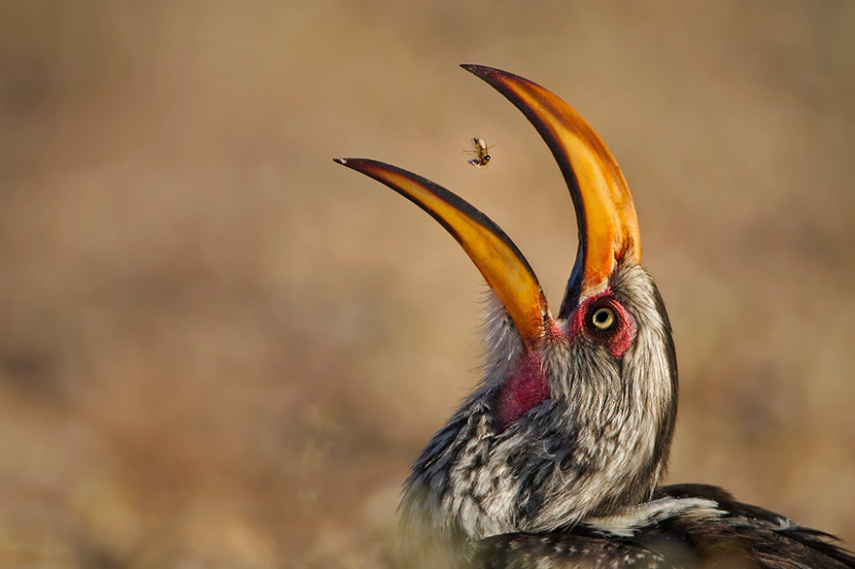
(573, 483)
(599, 443)
(732, 535)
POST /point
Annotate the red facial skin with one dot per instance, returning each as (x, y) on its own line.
(527, 386)
(618, 340)
(525, 389)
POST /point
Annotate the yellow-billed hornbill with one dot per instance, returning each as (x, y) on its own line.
(554, 460)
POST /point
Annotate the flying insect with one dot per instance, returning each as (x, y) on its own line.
(480, 150)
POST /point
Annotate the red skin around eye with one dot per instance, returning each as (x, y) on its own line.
(620, 340)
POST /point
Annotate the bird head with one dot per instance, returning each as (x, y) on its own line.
(574, 416)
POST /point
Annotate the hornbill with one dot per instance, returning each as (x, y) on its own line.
(554, 460)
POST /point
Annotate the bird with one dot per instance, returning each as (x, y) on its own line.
(555, 459)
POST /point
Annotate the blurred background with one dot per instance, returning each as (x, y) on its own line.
(220, 349)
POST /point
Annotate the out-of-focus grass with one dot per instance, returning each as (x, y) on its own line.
(220, 349)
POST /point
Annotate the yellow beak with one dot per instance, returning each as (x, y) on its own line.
(608, 226)
(503, 266)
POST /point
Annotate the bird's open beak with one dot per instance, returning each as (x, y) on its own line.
(503, 266)
(608, 228)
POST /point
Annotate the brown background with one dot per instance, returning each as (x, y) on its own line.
(219, 349)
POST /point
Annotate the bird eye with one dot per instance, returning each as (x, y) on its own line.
(603, 318)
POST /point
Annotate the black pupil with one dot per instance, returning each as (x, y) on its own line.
(602, 316)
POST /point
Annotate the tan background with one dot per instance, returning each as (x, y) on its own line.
(219, 349)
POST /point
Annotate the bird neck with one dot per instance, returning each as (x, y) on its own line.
(566, 460)
(594, 443)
